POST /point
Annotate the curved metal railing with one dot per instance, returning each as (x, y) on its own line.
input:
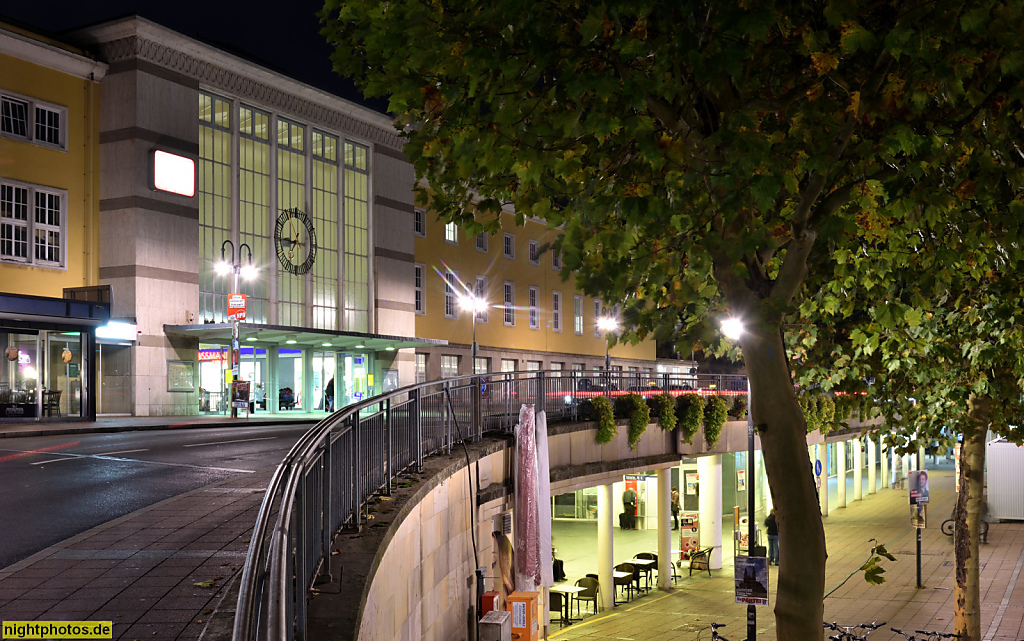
(325, 480)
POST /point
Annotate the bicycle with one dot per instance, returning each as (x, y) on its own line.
(846, 632)
(949, 524)
(928, 635)
(714, 632)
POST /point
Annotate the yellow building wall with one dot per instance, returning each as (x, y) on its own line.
(468, 262)
(74, 169)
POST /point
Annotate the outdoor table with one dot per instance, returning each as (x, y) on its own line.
(645, 566)
(569, 593)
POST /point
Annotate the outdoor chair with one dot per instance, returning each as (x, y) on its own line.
(591, 589)
(649, 570)
(555, 604)
(701, 560)
(51, 402)
(626, 582)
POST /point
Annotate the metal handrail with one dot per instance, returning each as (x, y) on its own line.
(355, 453)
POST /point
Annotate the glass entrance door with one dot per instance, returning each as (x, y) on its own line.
(324, 364)
(252, 367)
(357, 378)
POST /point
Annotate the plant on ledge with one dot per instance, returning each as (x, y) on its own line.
(739, 407)
(690, 413)
(715, 414)
(606, 429)
(665, 407)
(639, 417)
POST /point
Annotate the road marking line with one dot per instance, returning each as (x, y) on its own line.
(244, 440)
(582, 624)
(42, 450)
(121, 452)
(135, 460)
(69, 456)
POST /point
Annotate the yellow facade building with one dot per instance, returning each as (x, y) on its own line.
(532, 319)
(49, 225)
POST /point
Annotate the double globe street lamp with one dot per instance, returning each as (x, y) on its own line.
(247, 271)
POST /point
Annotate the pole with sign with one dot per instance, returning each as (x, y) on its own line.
(917, 486)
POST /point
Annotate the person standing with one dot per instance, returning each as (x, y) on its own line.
(629, 508)
(675, 508)
(772, 528)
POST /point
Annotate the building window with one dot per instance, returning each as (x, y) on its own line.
(508, 365)
(534, 252)
(534, 313)
(577, 315)
(556, 259)
(421, 368)
(418, 288)
(44, 228)
(26, 119)
(598, 312)
(534, 366)
(481, 294)
(577, 367)
(449, 366)
(481, 242)
(510, 303)
(510, 246)
(451, 305)
(481, 365)
(451, 233)
(556, 367)
(556, 311)
(419, 222)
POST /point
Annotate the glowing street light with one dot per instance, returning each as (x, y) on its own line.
(248, 271)
(608, 325)
(476, 305)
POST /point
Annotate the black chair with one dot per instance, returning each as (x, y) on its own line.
(556, 603)
(51, 402)
(701, 560)
(625, 581)
(647, 570)
(591, 589)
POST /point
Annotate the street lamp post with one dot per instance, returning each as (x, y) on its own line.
(475, 305)
(733, 329)
(247, 271)
(607, 324)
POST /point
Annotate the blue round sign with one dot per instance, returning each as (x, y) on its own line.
(817, 468)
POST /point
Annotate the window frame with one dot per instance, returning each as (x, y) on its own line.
(598, 312)
(533, 301)
(32, 226)
(534, 252)
(577, 312)
(446, 360)
(419, 290)
(509, 303)
(480, 291)
(32, 121)
(509, 246)
(483, 242)
(556, 260)
(451, 303)
(419, 222)
(556, 311)
(451, 233)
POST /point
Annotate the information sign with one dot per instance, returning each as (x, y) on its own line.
(236, 307)
(751, 580)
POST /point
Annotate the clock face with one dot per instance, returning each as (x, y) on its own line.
(296, 241)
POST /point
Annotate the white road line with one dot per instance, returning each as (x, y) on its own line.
(134, 460)
(244, 440)
(121, 452)
(68, 457)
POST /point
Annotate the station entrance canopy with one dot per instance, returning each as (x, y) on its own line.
(298, 337)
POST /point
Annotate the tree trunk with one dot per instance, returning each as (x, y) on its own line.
(780, 424)
(968, 512)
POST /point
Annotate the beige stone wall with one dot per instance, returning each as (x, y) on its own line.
(424, 584)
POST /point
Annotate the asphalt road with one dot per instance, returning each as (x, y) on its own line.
(54, 487)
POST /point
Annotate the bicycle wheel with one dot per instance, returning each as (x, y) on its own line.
(947, 527)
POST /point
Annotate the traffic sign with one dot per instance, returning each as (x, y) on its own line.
(817, 468)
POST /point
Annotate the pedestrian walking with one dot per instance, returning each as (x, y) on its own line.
(675, 508)
(772, 528)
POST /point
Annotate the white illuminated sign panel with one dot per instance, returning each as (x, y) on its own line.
(173, 173)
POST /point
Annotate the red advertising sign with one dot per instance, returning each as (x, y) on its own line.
(236, 307)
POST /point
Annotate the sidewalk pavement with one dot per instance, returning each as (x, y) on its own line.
(686, 612)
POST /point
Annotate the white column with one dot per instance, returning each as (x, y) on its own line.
(709, 472)
(763, 480)
(906, 467)
(821, 455)
(872, 465)
(883, 458)
(605, 546)
(858, 469)
(665, 529)
(841, 473)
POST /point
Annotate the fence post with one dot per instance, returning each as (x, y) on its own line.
(541, 393)
(478, 425)
(327, 504)
(388, 431)
(357, 473)
(417, 429)
(446, 442)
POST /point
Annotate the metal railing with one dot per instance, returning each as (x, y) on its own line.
(328, 476)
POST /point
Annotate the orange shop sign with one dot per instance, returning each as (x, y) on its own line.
(236, 307)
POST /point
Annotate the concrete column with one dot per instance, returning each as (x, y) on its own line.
(858, 469)
(841, 473)
(665, 529)
(872, 465)
(605, 545)
(821, 456)
(906, 466)
(883, 458)
(709, 471)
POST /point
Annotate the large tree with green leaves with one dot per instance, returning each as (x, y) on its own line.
(703, 158)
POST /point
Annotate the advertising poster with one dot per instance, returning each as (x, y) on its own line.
(919, 515)
(751, 580)
(689, 526)
(691, 484)
(741, 480)
(240, 394)
(917, 484)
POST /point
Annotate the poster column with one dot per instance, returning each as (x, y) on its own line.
(872, 464)
(665, 529)
(709, 471)
(605, 544)
(883, 457)
(858, 469)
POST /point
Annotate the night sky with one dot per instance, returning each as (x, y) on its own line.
(282, 36)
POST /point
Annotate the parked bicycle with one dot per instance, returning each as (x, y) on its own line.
(927, 635)
(949, 524)
(849, 632)
(714, 632)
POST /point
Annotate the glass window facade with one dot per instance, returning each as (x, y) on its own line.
(577, 315)
(254, 164)
(534, 312)
(556, 311)
(32, 224)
